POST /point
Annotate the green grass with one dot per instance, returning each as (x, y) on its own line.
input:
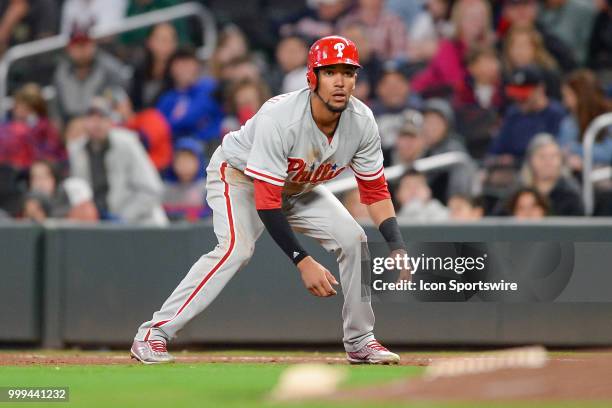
(202, 385)
(174, 386)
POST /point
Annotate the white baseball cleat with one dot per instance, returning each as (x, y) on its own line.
(372, 353)
(151, 352)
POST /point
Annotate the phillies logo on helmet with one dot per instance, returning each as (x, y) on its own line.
(339, 47)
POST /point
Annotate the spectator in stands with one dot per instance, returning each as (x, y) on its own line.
(584, 99)
(440, 137)
(545, 171)
(446, 71)
(126, 187)
(386, 31)
(533, 112)
(430, 26)
(392, 98)
(483, 87)
(359, 211)
(43, 140)
(523, 47)
(318, 20)
(190, 107)
(240, 69)
(15, 150)
(571, 21)
(479, 101)
(463, 207)
(243, 101)
(371, 65)
(70, 199)
(136, 7)
(415, 200)
(151, 76)
(410, 144)
(600, 45)
(291, 55)
(408, 11)
(523, 14)
(185, 183)
(527, 204)
(155, 135)
(231, 45)
(85, 73)
(99, 15)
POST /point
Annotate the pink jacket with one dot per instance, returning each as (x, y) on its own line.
(446, 68)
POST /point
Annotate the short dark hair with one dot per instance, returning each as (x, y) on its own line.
(183, 53)
(541, 200)
(473, 201)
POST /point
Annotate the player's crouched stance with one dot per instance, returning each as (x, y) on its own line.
(268, 175)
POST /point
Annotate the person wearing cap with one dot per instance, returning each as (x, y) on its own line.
(409, 145)
(440, 137)
(126, 187)
(185, 183)
(85, 72)
(532, 112)
(523, 14)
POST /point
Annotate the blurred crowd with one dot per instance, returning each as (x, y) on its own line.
(121, 128)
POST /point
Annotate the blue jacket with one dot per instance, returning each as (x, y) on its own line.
(518, 128)
(194, 112)
(569, 138)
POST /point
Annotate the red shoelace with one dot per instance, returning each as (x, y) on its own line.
(375, 345)
(158, 346)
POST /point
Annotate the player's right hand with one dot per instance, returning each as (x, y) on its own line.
(317, 279)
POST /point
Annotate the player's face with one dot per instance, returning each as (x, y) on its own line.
(336, 85)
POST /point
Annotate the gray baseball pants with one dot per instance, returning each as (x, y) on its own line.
(317, 214)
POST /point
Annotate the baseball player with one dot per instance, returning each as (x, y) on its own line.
(268, 175)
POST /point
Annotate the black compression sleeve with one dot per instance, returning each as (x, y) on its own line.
(277, 225)
(390, 230)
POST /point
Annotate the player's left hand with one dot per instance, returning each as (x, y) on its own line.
(405, 274)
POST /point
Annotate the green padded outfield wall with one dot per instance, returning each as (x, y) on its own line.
(99, 283)
(20, 283)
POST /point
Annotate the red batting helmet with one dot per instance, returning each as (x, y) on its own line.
(330, 51)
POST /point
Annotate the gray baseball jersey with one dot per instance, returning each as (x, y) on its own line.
(282, 145)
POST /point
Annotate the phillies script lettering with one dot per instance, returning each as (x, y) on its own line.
(309, 173)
